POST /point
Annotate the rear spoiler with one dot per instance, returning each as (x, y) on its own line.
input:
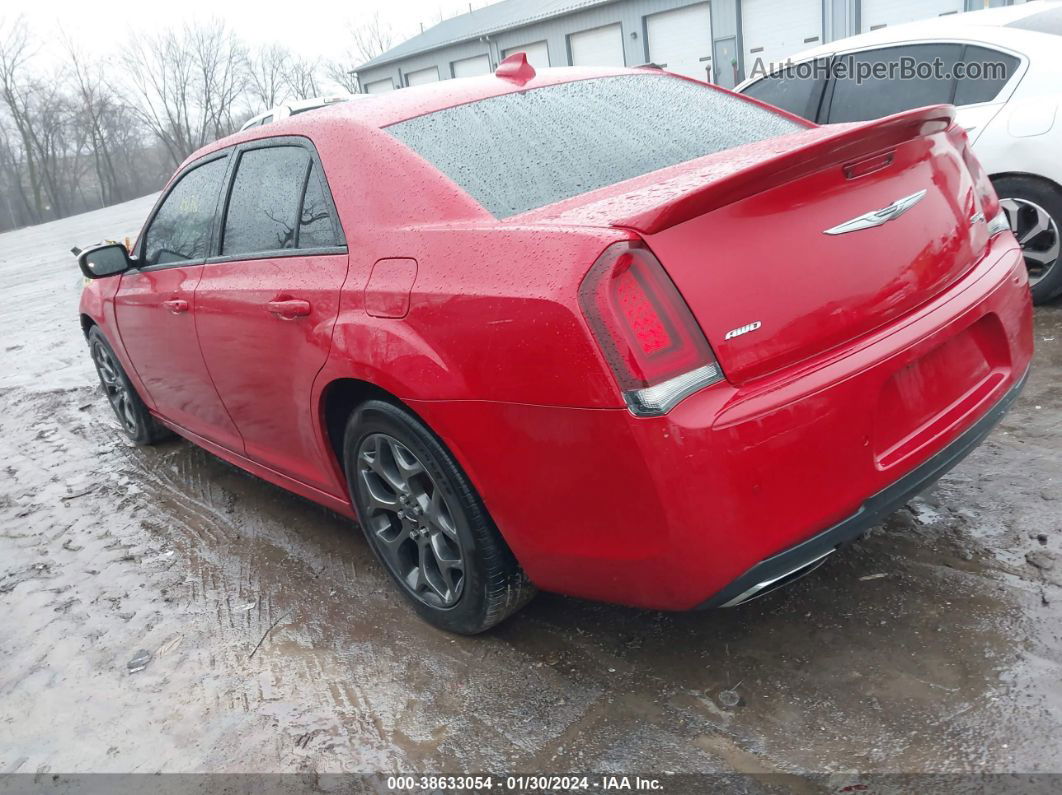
(850, 143)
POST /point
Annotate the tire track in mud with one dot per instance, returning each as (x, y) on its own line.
(179, 507)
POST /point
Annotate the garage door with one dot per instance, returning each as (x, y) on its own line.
(681, 40)
(876, 14)
(772, 31)
(537, 54)
(470, 67)
(379, 86)
(422, 76)
(597, 47)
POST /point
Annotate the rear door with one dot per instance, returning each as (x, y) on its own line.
(155, 304)
(266, 304)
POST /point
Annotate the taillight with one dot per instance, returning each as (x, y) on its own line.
(649, 338)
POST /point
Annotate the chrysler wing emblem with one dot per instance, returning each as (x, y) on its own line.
(878, 217)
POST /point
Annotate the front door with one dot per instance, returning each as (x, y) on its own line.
(155, 307)
(265, 307)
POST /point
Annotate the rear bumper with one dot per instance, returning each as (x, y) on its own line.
(681, 511)
(775, 570)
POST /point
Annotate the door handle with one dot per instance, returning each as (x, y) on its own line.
(290, 308)
(176, 305)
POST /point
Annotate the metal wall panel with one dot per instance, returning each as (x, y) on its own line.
(630, 14)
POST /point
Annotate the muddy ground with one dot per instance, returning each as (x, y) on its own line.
(935, 645)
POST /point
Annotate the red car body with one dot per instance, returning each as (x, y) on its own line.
(857, 367)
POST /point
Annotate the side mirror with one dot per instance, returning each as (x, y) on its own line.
(106, 259)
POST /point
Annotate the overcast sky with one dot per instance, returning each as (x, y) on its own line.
(309, 28)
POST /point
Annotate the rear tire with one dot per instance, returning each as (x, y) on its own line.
(133, 416)
(426, 524)
(1034, 210)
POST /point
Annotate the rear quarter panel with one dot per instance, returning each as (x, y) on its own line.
(493, 312)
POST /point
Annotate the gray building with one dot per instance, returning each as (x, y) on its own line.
(718, 40)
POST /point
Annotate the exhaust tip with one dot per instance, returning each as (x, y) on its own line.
(765, 587)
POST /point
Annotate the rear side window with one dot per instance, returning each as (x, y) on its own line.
(264, 202)
(884, 91)
(986, 72)
(180, 230)
(527, 149)
(796, 89)
(316, 229)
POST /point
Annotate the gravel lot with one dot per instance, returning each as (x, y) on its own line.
(935, 645)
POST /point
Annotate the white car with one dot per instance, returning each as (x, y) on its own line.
(294, 108)
(1011, 114)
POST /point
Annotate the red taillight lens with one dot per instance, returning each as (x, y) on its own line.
(644, 328)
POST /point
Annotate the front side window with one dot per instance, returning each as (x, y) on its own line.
(527, 149)
(872, 85)
(263, 206)
(180, 230)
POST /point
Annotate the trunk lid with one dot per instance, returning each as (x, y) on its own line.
(746, 241)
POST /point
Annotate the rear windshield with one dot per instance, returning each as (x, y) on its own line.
(527, 149)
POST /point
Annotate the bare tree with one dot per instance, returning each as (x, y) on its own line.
(95, 105)
(15, 53)
(220, 61)
(17, 209)
(186, 84)
(371, 38)
(267, 68)
(342, 74)
(77, 134)
(303, 78)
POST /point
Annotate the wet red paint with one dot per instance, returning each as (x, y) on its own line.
(489, 344)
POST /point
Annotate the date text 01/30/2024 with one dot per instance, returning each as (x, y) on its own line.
(527, 783)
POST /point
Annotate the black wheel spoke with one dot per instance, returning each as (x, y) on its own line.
(1037, 233)
(438, 515)
(114, 386)
(410, 519)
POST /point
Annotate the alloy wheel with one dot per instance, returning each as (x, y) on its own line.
(408, 516)
(115, 387)
(1037, 234)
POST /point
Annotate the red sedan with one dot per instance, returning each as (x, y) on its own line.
(611, 333)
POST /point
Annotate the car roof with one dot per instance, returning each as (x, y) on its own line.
(1009, 27)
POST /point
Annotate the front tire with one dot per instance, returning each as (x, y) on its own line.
(1034, 211)
(426, 524)
(130, 410)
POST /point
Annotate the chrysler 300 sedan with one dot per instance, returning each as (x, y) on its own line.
(612, 333)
